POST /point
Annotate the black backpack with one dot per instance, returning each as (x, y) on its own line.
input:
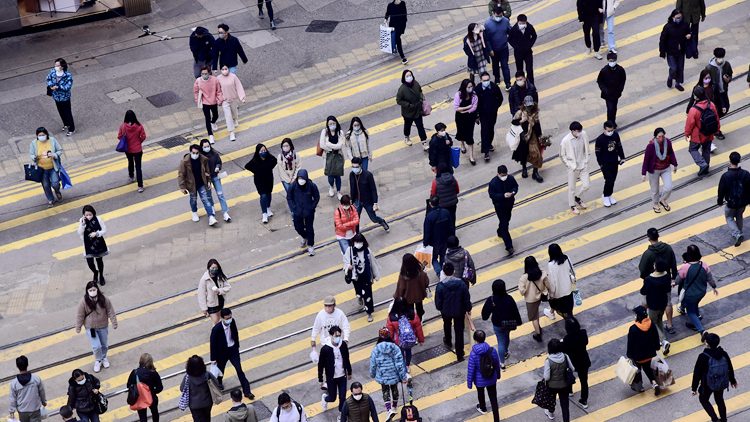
(297, 405)
(487, 365)
(736, 192)
(709, 120)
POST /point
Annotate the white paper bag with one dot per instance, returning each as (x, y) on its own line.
(513, 138)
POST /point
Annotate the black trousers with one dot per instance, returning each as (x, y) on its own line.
(399, 47)
(694, 28)
(452, 211)
(208, 111)
(592, 25)
(611, 110)
(154, 411)
(419, 307)
(93, 268)
(304, 227)
(134, 164)
(201, 415)
(583, 378)
(488, 131)
(609, 173)
(234, 358)
(564, 402)
(704, 395)
(268, 6)
(503, 216)
(458, 329)
(66, 114)
(492, 392)
(646, 368)
(527, 58)
(420, 127)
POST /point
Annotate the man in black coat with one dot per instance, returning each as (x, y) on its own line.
(438, 227)
(225, 347)
(453, 300)
(716, 353)
(734, 186)
(226, 50)
(503, 189)
(364, 192)
(490, 98)
(611, 82)
(520, 89)
(201, 44)
(522, 37)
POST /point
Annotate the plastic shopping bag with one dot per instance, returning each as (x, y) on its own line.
(456, 156)
(424, 255)
(314, 357)
(216, 371)
(65, 179)
(513, 138)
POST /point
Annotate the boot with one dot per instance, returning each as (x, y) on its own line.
(535, 175)
(524, 172)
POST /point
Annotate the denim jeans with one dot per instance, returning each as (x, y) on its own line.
(358, 205)
(365, 162)
(337, 180)
(286, 189)
(219, 194)
(438, 257)
(344, 245)
(406, 353)
(88, 417)
(265, 202)
(50, 180)
(676, 65)
(204, 198)
(500, 62)
(503, 342)
(611, 32)
(233, 69)
(99, 343)
(691, 308)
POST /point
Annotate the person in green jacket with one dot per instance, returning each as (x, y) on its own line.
(694, 12)
(410, 98)
(502, 3)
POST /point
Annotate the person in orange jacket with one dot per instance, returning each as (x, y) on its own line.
(346, 220)
(698, 136)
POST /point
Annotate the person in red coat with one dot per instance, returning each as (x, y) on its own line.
(402, 308)
(693, 134)
(135, 135)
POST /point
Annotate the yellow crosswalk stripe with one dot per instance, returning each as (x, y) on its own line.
(733, 404)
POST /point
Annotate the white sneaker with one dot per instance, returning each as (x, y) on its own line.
(605, 199)
(211, 220)
(324, 403)
(227, 218)
(105, 363)
(302, 245)
(588, 51)
(597, 56)
(270, 213)
(549, 313)
(425, 145)
(214, 126)
(339, 196)
(265, 218)
(311, 250)
(549, 415)
(612, 200)
(195, 216)
(713, 147)
(211, 139)
(234, 123)
(331, 192)
(97, 365)
(232, 137)
(407, 141)
(391, 414)
(612, 50)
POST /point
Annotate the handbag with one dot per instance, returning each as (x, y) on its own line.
(625, 370)
(685, 286)
(216, 395)
(570, 379)
(513, 138)
(428, 292)
(690, 48)
(577, 296)
(543, 398)
(468, 274)
(143, 398)
(424, 255)
(544, 297)
(49, 91)
(426, 108)
(662, 372)
(133, 392)
(222, 174)
(33, 173)
(334, 164)
(100, 403)
(455, 156)
(122, 146)
(185, 396)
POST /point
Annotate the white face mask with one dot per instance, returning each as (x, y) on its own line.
(286, 409)
(42, 138)
(301, 182)
(719, 61)
(58, 69)
(504, 178)
(357, 397)
(225, 72)
(356, 128)
(521, 26)
(358, 245)
(285, 148)
(332, 128)
(476, 30)
(408, 79)
(93, 293)
(521, 83)
(441, 133)
(81, 382)
(207, 150)
(194, 156)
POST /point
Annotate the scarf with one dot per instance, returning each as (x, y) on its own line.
(333, 138)
(288, 159)
(532, 119)
(661, 155)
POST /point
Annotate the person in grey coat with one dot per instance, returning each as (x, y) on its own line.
(197, 379)
(26, 393)
(459, 257)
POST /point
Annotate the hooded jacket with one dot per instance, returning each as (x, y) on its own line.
(228, 48)
(392, 324)
(701, 366)
(693, 123)
(327, 360)
(474, 373)
(242, 413)
(201, 47)
(727, 181)
(672, 40)
(81, 397)
(185, 177)
(345, 221)
(262, 170)
(135, 136)
(199, 394)
(363, 188)
(303, 199)
(413, 290)
(148, 377)
(554, 370)
(501, 306)
(26, 393)
(452, 297)
(387, 364)
(656, 288)
(574, 345)
(438, 227)
(611, 82)
(655, 251)
(643, 341)
(458, 257)
(446, 188)
(206, 296)
(718, 71)
(440, 152)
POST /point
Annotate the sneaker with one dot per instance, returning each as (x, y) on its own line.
(97, 366)
(407, 141)
(502, 368)
(703, 336)
(265, 218)
(311, 251)
(391, 414)
(581, 204)
(211, 220)
(605, 199)
(549, 415)
(324, 386)
(669, 82)
(739, 241)
(260, 15)
(132, 180)
(105, 363)
(507, 88)
(507, 355)
(425, 145)
(71, 133)
(588, 51)
(339, 196)
(273, 26)
(548, 312)
(612, 200)
(324, 403)
(227, 218)
(140, 189)
(597, 56)
(214, 126)
(479, 409)
(404, 60)
(58, 194)
(234, 123)
(583, 404)
(195, 216)
(387, 228)
(574, 210)
(680, 309)
(303, 243)
(665, 348)
(369, 317)
(211, 139)
(331, 192)
(65, 128)
(232, 137)
(612, 50)
(270, 213)
(657, 390)
(50, 204)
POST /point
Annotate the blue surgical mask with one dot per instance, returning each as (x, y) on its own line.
(678, 20)
(485, 83)
(228, 321)
(41, 138)
(356, 170)
(609, 133)
(612, 64)
(207, 150)
(497, 18)
(194, 156)
(336, 340)
(263, 154)
(356, 128)
(408, 79)
(205, 77)
(221, 35)
(469, 90)
(81, 382)
(332, 128)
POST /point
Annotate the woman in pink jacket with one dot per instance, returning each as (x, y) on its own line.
(231, 89)
(208, 95)
(134, 133)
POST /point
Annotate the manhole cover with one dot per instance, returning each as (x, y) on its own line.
(324, 27)
(430, 354)
(261, 411)
(172, 142)
(164, 99)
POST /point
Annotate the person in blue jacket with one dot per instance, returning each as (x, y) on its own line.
(59, 83)
(388, 369)
(496, 32)
(303, 198)
(438, 227)
(201, 45)
(225, 51)
(474, 374)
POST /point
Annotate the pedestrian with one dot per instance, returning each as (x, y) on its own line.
(332, 144)
(643, 343)
(199, 393)
(269, 7)
(412, 283)
(465, 105)
(556, 373)
(611, 82)
(67, 414)
(83, 394)
(304, 198)
(721, 74)
(134, 134)
(92, 230)
(215, 167)
(608, 10)
(410, 98)
(533, 286)
(438, 227)
(365, 193)
(361, 262)
(463, 263)
(734, 186)
(497, 29)
(694, 12)
(504, 4)
(212, 289)
(505, 318)
(226, 49)
(519, 91)
(590, 17)
(328, 317)
(94, 313)
(240, 412)
(261, 166)
(440, 148)
(201, 45)
(657, 288)
(713, 374)
(490, 99)
(529, 148)
(522, 38)
(396, 10)
(45, 152)
(674, 36)
(387, 367)
(574, 153)
(288, 410)
(59, 83)
(208, 95)
(559, 271)
(289, 164)
(657, 250)
(693, 277)
(705, 80)
(359, 407)
(483, 375)
(405, 328)
(610, 155)
(225, 347)
(701, 125)
(502, 190)
(346, 222)
(574, 345)
(334, 361)
(146, 373)
(453, 301)
(27, 395)
(357, 134)
(476, 51)
(658, 159)
(232, 93)
(445, 187)
(194, 177)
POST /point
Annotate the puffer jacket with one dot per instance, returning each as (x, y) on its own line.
(452, 297)
(693, 123)
(672, 40)
(446, 188)
(474, 373)
(81, 397)
(62, 93)
(387, 364)
(206, 296)
(200, 395)
(457, 258)
(345, 221)
(97, 318)
(303, 199)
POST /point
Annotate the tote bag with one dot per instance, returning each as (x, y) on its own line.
(122, 146)
(64, 178)
(33, 173)
(387, 40)
(144, 400)
(216, 394)
(625, 370)
(542, 397)
(513, 138)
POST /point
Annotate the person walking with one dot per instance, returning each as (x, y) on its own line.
(27, 395)
(608, 10)
(445, 187)
(490, 98)
(199, 393)
(504, 4)
(643, 343)
(226, 49)
(365, 193)
(533, 286)
(289, 164)
(721, 75)
(713, 373)
(212, 289)
(522, 38)
(734, 186)
(328, 317)
(134, 134)
(438, 227)
(658, 159)
(657, 288)
(239, 412)
(45, 152)
(453, 301)
(225, 347)
(694, 12)
(574, 153)
(611, 82)
(215, 166)
(505, 318)
(208, 95)
(201, 45)
(440, 148)
(388, 369)
(332, 145)
(346, 222)
(357, 143)
(521, 89)
(559, 270)
(396, 11)
(694, 277)
(609, 156)
(194, 177)
(658, 250)
(410, 98)
(476, 51)
(700, 127)
(288, 410)
(412, 283)
(92, 230)
(674, 36)
(232, 93)
(261, 166)
(529, 148)
(83, 392)
(555, 373)
(146, 373)
(59, 83)
(497, 29)
(706, 82)
(463, 263)
(269, 7)
(465, 104)
(590, 17)
(359, 407)
(303, 197)
(479, 375)
(361, 262)
(405, 329)
(502, 190)
(94, 313)
(574, 345)
(334, 361)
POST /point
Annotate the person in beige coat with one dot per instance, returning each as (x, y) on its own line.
(233, 93)
(289, 164)
(332, 144)
(533, 283)
(94, 313)
(357, 143)
(574, 153)
(211, 290)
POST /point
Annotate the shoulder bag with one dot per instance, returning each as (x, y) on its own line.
(686, 285)
(216, 395)
(544, 298)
